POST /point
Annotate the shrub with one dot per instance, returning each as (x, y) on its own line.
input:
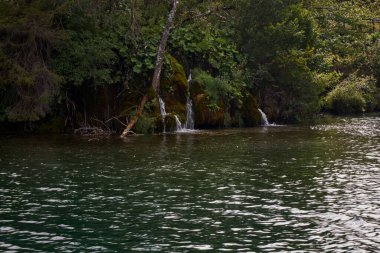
(218, 89)
(354, 95)
(145, 125)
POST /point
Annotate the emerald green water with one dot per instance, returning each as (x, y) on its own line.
(289, 188)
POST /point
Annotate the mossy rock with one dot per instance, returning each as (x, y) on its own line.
(206, 117)
(173, 91)
(250, 112)
(174, 88)
(170, 124)
(176, 108)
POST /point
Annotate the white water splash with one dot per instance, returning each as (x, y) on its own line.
(179, 127)
(162, 107)
(264, 119)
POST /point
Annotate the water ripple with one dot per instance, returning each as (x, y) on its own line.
(283, 189)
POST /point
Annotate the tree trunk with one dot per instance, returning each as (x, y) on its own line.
(162, 47)
(135, 118)
(157, 69)
(133, 18)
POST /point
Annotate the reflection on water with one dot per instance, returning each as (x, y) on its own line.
(364, 126)
(261, 190)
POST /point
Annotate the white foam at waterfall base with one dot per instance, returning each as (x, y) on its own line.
(182, 128)
(264, 119)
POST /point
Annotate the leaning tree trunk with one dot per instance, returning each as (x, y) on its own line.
(157, 69)
(135, 118)
(133, 18)
(162, 47)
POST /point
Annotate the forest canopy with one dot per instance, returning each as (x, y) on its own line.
(66, 64)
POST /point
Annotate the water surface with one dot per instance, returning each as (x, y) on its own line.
(270, 189)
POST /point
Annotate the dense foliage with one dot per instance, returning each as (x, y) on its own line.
(83, 62)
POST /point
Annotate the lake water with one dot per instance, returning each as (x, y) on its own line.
(269, 189)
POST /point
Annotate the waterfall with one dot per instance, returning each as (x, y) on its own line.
(264, 119)
(162, 107)
(178, 124)
(163, 112)
(189, 108)
(189, 115)
(189, 124)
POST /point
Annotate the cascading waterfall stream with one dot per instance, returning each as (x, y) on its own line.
(163, 112)
(179, 127)
(189, 109)
(189, 124)
(264, 119)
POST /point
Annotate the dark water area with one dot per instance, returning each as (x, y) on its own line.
(269, 189)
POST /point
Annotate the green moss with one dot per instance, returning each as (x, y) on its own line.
(175, 85)
(206, 117)
(174, 89)
(170, 123)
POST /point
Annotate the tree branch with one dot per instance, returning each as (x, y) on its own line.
(211, 11)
